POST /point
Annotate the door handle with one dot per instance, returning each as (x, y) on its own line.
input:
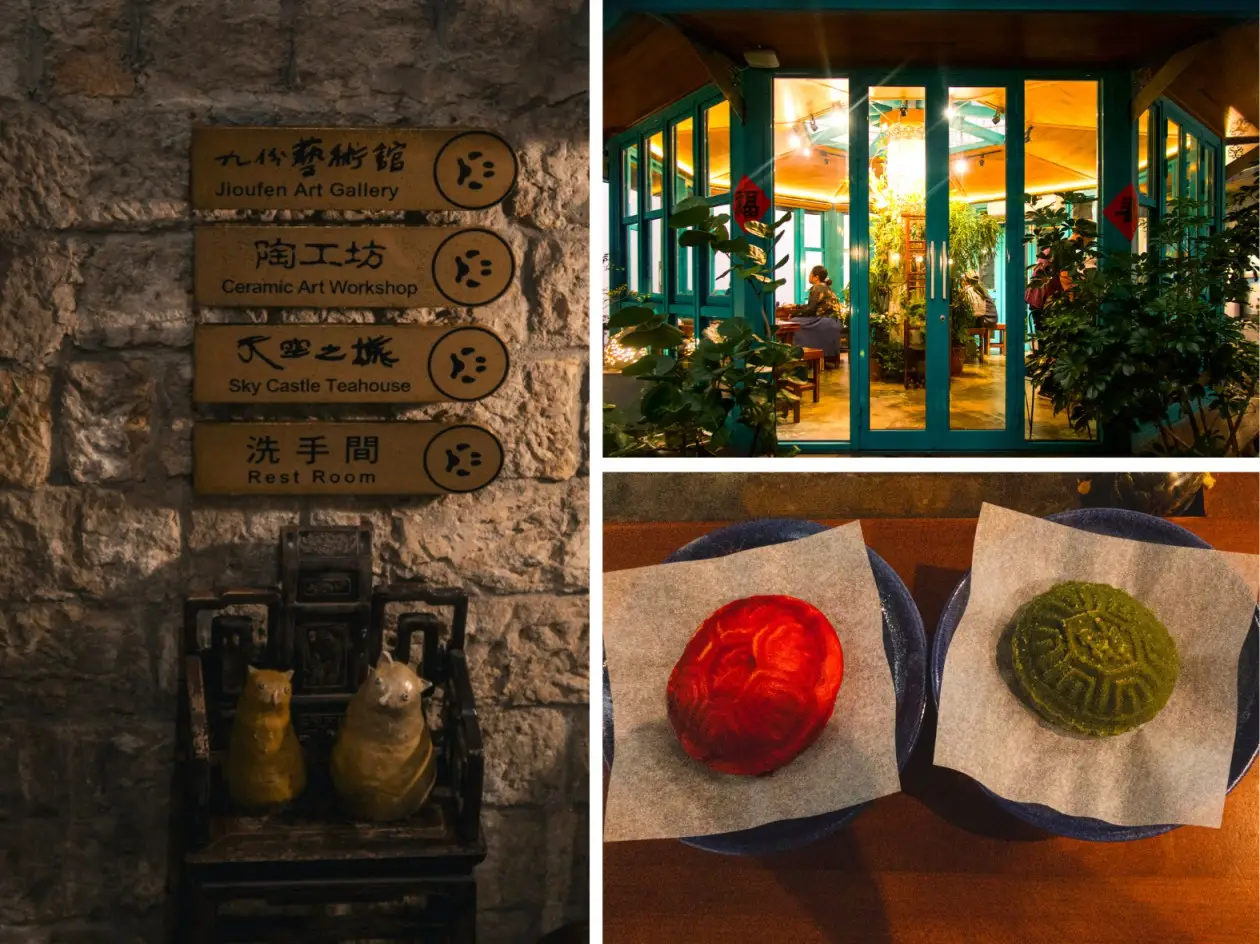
(945, 271)
(931, 271)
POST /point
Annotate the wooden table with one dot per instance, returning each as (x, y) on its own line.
(938, 863)
(785, 331)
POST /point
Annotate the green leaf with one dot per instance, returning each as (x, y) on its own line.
(630, 317)
(758, 228)
(691, 216)
(691, 202)
(695, 237)
(644, 365)
(660, 336)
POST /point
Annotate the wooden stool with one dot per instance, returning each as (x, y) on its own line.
(1000, 344)
(813, 358)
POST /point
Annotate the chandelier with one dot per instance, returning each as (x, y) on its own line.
(906, 166)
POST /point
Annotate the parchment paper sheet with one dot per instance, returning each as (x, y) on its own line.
(1173, 769)
(656, 790)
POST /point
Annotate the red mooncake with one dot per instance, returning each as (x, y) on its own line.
(756, 684)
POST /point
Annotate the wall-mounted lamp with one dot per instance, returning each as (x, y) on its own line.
(762, 58)
(1028, 134)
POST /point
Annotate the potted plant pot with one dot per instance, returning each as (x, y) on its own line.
(956, 355)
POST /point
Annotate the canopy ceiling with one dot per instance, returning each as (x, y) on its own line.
(648, 65)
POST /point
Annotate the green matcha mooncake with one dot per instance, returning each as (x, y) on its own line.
(1091, 659)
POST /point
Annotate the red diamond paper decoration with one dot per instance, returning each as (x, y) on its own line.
(751, 203)
(1123, 212)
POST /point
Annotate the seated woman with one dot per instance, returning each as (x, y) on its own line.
(821, 321)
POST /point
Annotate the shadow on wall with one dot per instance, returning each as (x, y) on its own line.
(87, 694)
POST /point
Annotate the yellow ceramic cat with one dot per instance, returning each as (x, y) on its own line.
(264, 766)
(383, 764)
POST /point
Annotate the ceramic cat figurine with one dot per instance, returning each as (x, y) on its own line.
(264, 765)
(383, 764)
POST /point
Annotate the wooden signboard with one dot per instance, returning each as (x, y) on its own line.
(255, 363)
(351, 458)
(382, 168)
(349, 266)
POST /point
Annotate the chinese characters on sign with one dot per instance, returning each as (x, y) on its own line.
(343, 458)
(1123, 212)
(346, 363)
(350, 266)
(349, 168)
(750, 202)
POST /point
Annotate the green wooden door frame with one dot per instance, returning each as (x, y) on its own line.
(1116, 170)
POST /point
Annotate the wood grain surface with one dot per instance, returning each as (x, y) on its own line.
(938, 863)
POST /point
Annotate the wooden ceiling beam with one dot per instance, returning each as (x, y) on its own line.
(1240, 164)
(721, 68)
(1177, 63)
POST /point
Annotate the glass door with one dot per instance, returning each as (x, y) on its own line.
(935, 250)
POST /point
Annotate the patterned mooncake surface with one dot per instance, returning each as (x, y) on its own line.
(1091, 659)
(756, 684)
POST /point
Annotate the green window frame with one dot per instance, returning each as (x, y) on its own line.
(686, 276)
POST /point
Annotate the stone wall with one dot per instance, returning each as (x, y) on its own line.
(100, 533)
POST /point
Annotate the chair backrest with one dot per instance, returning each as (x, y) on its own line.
(326, 622)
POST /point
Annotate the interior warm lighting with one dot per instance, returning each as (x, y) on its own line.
(794, 140)
(906, 167)
(806, 151)
(811, 196)
(960, 166)
(949, 111)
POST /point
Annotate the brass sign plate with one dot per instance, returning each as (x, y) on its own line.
(249, 168)
(349, 266)
(364, 458)
(253, 363)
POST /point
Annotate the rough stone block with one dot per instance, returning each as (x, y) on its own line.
(137, 290)
(234, 546)
(175, 400)
(107, 409)
(530, 650)
(381, 35)
(511, 926)
(25, 428)
(45, 169)
(554, 279)
(553, 191)
(525, 753)
(536, 414)
(568, 866)
(139, 153)
(38, 281)
(249, 54)
(128, 548)
(516, 841)
(512, 536)
(73, 659)
(86, 51)
(14, 30)
(37, 543)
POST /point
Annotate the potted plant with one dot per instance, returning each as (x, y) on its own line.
(717, 394)
(1145, 340)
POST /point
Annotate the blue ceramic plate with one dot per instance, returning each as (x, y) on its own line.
(905, 644)
(1136, 526)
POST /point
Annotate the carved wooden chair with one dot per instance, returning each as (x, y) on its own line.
(294, 871)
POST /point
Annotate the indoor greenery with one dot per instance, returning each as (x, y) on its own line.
(717, 393)
(973, 237)
(1145, 339)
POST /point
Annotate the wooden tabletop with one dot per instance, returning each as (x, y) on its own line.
(939, 863)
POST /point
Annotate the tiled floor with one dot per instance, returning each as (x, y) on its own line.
(977, 401)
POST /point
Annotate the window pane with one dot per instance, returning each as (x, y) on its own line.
(1192, 169)
(1144, 153)
(1209, 181)
(656, 255)
(630, 170)
(786, 294)
(656, 169)
(684, 160)
(813, 257)
(1172, 153)
(717, 129)
(977, 217)
(812, 235)
(1061, 154)
(686, 270)
(720, 270)
(632, 257)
